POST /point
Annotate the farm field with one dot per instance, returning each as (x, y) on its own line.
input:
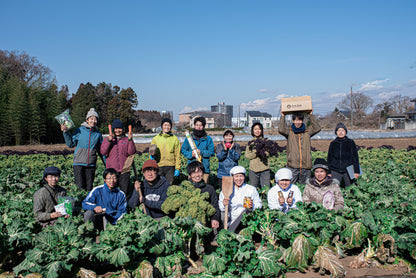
(375, 233)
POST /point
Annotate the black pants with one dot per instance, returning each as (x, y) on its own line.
(343, 178)
(124, 184)
(168, 172)
(84, 177)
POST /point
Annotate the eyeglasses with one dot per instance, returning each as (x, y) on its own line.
(150, 169)
(111, 179)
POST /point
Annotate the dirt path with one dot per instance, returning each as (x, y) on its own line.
(321, 145)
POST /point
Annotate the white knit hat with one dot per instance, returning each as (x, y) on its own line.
(283, 174)
(238, 170)
(92, 113)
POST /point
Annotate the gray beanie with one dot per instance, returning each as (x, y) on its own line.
(341, 125)
(92, 113)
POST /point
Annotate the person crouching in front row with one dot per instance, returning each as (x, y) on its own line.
(284, 195)
(105, 203)
(152, 192)
(236, 201)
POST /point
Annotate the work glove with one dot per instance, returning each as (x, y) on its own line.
(151, 157)
(176, 173)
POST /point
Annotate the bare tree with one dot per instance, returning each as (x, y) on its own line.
(400, 104)
(26, 68)
(360, 104)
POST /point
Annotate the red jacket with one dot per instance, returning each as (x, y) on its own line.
(117, 151)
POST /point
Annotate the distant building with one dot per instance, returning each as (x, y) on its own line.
(258, 117)
(213, 119)
(406, 121)
(226, 111)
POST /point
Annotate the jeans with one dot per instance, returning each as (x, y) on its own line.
(343, 178)
(167, 172)
(300, 176)
(263, 177)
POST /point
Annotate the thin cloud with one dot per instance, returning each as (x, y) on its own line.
(190, 109)
(337, 95)
(373, 85)
(263, 104)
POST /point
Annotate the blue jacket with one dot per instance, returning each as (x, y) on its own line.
(87, 142)
(227, 159)
(114, 201)
(205, 145)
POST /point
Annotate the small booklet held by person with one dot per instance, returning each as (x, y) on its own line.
(350, 170)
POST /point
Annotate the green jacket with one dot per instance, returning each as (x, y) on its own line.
(257, 164)
(299, 145)
(168, 151)
(45, 200)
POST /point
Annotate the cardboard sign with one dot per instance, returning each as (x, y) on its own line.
(296, 104)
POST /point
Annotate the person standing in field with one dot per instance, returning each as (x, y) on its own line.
(117, 147)
(204, 144)
(259, 170)
(168, 151)
(228, 154)
(46, 198)
(299, 157)
(87, 140)
(341, 154)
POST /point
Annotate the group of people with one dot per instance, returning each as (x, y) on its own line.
(109, 202)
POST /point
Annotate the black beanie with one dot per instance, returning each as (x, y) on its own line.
(51, 170)
(320, 163)
(117, 124)
(166, 120)
(341, 125)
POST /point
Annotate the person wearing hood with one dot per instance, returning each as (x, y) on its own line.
(322, 188)
(204, 144)
(168, 151)
(244, 198)
(117, 147)
(343, 153)
(152, 192)
(87, 140)
(284, 195)
(105, 203)
(299, 157)
(46, 198)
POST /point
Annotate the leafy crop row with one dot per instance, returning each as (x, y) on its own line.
(378, 223)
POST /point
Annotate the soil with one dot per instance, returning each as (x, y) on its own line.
(320, 145)
(399, 270)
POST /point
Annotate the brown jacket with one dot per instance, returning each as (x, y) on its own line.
(45, 200)
(257, 164)
(299, 145)
(315, 193)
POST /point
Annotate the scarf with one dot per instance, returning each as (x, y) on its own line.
(199, 133)
(301, 129)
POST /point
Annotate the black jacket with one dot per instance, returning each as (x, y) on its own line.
(213, 198)
(154, 197)
(341, 154)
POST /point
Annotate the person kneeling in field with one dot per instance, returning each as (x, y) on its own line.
(153, 192)
(105, 203)
(46, 198)
(322, 188)
(244, 198)
(284, 195)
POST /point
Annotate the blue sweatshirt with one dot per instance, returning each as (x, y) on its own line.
(114, 201)
(205, 145)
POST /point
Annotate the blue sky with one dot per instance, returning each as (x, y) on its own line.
(188, 55)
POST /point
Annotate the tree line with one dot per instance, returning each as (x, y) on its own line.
(30, 100)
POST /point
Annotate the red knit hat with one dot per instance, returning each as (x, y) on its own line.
(151, 163)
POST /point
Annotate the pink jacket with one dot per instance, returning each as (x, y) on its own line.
(117, 151)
